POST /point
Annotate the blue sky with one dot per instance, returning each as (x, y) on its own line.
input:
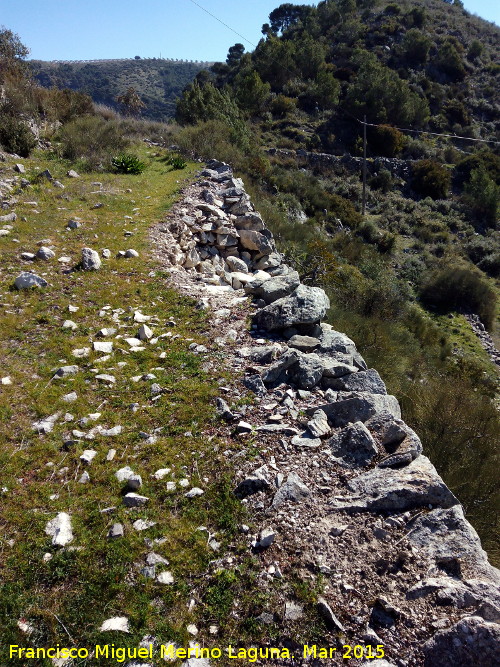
(92, 29)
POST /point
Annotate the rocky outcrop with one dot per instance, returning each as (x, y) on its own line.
(349, 473)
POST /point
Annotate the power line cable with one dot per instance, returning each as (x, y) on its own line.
(224, 24)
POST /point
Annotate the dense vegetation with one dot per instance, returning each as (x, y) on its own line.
(158, 82)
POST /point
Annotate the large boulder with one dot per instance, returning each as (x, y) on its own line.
(90, 260)
(252, 240)
(336, 342)
(275, 288)
(451, 591)
(307, 372)
(446, 534)
(276, 372)
(368, 381)
(384, 489)
(251, 221)
(25, 280)
(358, 408)
(306, 305)
(469, 643)
(353, 446)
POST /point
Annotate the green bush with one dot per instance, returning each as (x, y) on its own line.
(128, 164)
(416, 46)
(383, 181)
(15, 136)
(282, 105)
(475, 50)
(430, 179)
(93, 141)
(385, 140)
(483, 194)
(176, 162)
(461, 289)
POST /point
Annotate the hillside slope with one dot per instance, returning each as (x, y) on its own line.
(157, 81)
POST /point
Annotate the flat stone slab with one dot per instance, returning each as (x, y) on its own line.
(385, 489)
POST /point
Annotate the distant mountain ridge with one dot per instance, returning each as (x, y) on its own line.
(158, 81)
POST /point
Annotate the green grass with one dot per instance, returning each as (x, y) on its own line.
(75, 591)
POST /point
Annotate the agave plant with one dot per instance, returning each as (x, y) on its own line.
(128, 164)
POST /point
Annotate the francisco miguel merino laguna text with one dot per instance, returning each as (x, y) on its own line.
(120, 653)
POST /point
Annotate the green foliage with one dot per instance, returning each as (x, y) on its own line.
(484, 159)
(157, 82)
(62, 105)
(449, 61)
(177, 162)
(287, 15)
(92, 140)
(416, 46)
(417, 17)
(384, 241)
(382, 181)
(12, 53)
(16, 136)
(385, 140)
(281, 105)
(205, 102)
(213, 137)
(430, 179)
(130, 102)
(475, 50)
(275, 61)
(252, 93)
(126, 163)
(379, 93)
(459, 288)
(235, 54)
(483, 194)
(484, 251)
(325, 89)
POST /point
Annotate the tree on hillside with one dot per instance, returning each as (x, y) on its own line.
(251, 92)
(130, 102)
(383, 96)
(286, 15)
(12, 53)
(234, 54)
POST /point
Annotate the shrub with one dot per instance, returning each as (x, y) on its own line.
(176, 162)
(416, 46)
(460, 288)
(128, 164)
(213, 137)
(483, 194)
(386, 140)
(475, 50)
(16, 136)
(482, 159)
(431, 179)
(449, 61)
(282, 105)
(382, 181)
(92, 140)
(384, 241)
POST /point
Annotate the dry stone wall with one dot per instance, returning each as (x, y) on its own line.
(346, 490)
